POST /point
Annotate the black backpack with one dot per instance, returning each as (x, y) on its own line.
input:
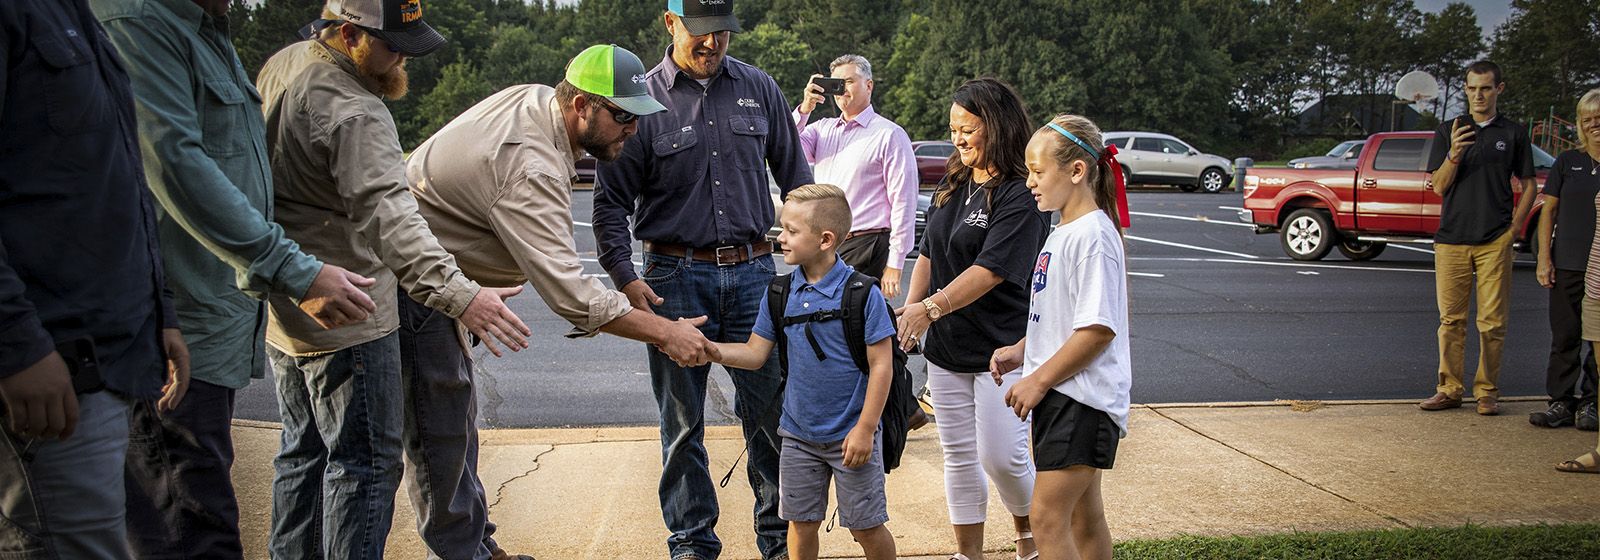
(901, 403)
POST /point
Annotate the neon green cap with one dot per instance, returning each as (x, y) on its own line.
(614, 73)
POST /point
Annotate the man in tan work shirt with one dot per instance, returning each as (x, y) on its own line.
(340, 192)
(495, 186)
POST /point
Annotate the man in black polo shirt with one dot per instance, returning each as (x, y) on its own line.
(1474, 157)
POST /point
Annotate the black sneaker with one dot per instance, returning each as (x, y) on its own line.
(1559, 414)
(1586, 419)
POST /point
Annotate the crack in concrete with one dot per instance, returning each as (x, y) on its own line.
(499, 493)
(1302, 480)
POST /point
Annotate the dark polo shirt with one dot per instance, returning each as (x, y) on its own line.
(1478, 208)
(1573, 181)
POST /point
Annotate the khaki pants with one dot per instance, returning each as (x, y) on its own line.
(1454, 268)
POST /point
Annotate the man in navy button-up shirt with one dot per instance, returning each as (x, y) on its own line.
(694, 180)
(85, 325)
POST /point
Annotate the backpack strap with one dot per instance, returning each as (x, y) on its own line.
(855, 320)
(777, 303)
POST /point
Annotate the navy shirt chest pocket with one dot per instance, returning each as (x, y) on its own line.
(749, 141)
(76, 99)
(676, 162)
(223, 119)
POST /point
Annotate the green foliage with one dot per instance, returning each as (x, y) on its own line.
(461, 86)
(779, 52)
(1548, 49)
(1227, 75)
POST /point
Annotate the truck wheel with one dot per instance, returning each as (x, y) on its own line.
(1212, 180)
(1307, 235)
(1361, 250)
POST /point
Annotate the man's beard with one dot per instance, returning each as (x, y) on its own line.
(601, 148)
(392, 84)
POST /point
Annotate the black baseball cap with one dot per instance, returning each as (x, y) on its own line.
(704, 17)
(397, 22)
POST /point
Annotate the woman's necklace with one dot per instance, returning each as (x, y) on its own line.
(1594, 169)
(977, 187)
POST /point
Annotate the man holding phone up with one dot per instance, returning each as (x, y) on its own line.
(1474, 157)
(870, 158)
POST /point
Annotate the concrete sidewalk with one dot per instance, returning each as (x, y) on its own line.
(1184, 469)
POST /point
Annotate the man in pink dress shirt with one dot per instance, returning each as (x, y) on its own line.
(869, 157)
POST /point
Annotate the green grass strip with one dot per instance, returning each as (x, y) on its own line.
(1532, 542)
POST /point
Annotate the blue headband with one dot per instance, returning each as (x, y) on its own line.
(1093, 153)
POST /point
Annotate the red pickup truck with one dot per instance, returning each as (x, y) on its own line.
(1387, 198)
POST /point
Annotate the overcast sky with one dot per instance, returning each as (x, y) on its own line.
(1491, 13)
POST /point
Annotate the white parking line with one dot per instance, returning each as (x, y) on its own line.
(1201, 219)
(584, 224)
(1233, 208)
(1147, 274)
(1409, 248)
(1193, 247)
(1291, 264)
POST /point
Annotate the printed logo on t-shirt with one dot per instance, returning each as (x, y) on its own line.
(978, 218)
(748, 103)
(1041, 272)
(1041, 278)
(1501, 145)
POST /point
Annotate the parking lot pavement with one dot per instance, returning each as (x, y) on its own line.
(1218, 314)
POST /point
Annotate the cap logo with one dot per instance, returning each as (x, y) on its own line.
(349, 15)
(713, 2)
(638, 78)
(410, 11)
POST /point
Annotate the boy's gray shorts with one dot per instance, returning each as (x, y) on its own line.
(804, 469)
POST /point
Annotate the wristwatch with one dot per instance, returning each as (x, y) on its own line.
(934, 312)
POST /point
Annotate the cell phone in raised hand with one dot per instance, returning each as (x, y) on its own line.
(830, 86)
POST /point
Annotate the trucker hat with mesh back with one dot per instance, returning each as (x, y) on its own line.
(614, 73)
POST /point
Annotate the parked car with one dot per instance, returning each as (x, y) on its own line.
(585, 167)
(1387, 198)
(1342, 156)
(931, 158)
(1163, 159)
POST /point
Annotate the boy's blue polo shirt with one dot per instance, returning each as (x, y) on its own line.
(824, 398)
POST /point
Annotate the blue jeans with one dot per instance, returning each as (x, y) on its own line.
(63, 500)
(339, 466)
(181, 502)
(729, 297)
(441, 436)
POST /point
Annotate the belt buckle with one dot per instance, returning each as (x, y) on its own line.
(733, 257)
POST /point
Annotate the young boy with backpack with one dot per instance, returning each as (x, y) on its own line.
(832, 407)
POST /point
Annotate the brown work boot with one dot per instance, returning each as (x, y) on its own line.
(918, 419)
(1488, 406)
(1440, 401)
(501, 554)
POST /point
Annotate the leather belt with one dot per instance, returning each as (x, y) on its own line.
(723, 256)
(855, 234)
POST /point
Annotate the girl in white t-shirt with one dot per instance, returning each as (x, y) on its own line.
(1075, 357)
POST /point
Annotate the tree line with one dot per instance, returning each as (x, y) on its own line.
(1227, 75)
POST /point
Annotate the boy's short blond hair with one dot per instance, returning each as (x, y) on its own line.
(830, 210)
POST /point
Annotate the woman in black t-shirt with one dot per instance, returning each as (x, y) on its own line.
(972, 278)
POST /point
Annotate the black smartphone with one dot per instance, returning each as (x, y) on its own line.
(830, 86)
(82, 364)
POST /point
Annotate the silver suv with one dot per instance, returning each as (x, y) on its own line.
(1163, 159)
